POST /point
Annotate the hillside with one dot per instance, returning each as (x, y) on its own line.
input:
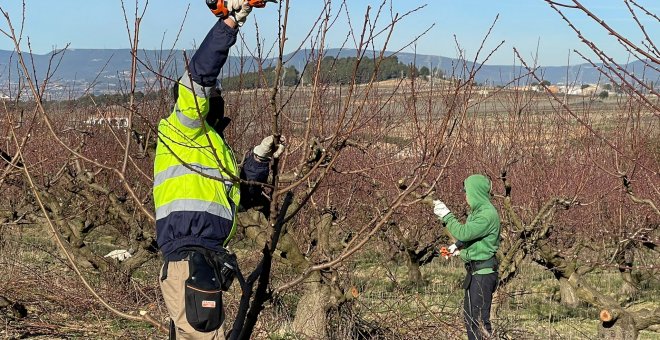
(107, 70)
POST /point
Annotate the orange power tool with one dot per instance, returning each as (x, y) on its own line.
(219, 7)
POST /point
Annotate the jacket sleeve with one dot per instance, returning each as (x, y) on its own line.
(206, 63)
(473, 229)
(192, 104)
(256, 171)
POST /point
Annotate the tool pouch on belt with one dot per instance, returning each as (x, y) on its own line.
(226, 266)
(203, 295)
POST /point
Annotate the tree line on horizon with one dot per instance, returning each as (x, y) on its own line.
(333, 70)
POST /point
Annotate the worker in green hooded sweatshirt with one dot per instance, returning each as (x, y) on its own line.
(478, 241)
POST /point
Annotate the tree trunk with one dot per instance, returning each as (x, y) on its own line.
(568, 294)
(617, 325)
(311, 320)
(320, 293)
(414, 273)
(629, 289)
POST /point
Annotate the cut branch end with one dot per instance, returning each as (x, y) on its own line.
(608, 315)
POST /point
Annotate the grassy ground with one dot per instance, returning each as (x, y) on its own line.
(531, 309)
(32, 272)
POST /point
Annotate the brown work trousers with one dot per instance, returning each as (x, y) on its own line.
(173, 288)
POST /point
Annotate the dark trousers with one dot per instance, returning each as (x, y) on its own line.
(476, 305)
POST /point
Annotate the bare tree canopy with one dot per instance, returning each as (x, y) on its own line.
(344, 244)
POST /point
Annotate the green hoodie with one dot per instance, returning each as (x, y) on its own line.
(481, 232)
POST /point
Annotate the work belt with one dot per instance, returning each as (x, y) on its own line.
(222, 262)
(474, 266)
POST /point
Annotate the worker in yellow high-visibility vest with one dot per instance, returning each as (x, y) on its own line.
(197, 191)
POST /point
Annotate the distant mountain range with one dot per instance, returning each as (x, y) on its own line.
(107, 70)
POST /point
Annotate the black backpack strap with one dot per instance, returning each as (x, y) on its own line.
(172, 330)
(163, 275)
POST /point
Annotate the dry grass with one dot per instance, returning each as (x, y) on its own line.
(34, 274)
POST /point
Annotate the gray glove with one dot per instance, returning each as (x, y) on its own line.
(238, 10)
(267, 149)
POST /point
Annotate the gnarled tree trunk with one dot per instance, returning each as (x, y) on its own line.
(321, 293)
(616, 321)
(630, 287)
(414, 273)
(311, 319)
(617, 324)
(567, 293)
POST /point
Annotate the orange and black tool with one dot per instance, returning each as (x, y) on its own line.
(444, 252)
(220, 10)
(260, 3)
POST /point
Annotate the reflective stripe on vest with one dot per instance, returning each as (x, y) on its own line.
(180, 170)
(192, 103)
(187, 122)
(195, 205)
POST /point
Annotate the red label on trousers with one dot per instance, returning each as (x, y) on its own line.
(208, 304)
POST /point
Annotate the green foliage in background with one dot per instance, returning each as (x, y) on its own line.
(341, 70)
(263, 79)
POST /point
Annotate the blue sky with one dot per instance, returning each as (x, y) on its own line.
(528, 25)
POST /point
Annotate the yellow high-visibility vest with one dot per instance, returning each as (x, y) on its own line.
(196, 191)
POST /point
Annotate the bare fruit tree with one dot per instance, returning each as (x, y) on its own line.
(94, 191)
(575, 179)
(602, 181)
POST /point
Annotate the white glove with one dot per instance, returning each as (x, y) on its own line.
(440, 209)
(453, 249)
(234, 5)
(267, 150)
(238, 10)
(119, 255)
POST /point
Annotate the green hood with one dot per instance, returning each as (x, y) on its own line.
(481, 231)
(477, 190)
